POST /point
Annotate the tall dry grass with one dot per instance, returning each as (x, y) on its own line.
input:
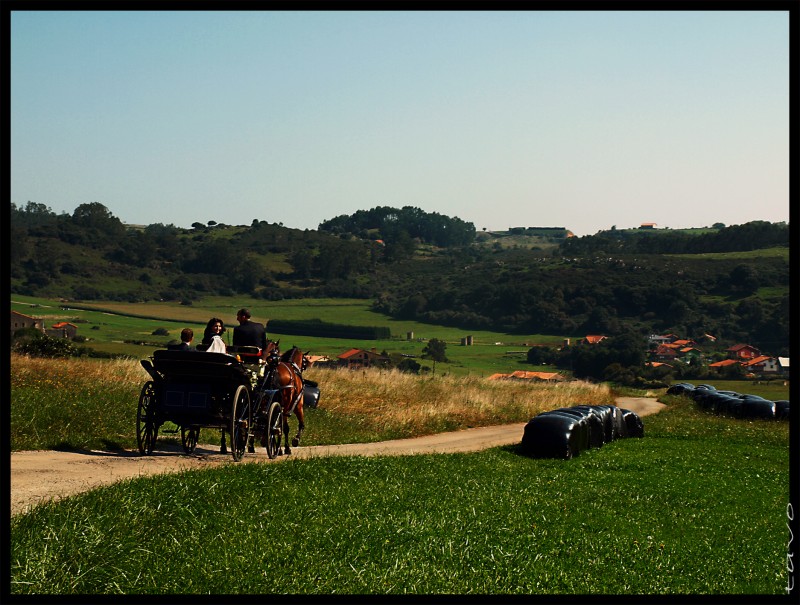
(90, 401)
(409, 404)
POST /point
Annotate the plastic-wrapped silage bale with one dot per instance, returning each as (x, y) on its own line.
(754, 406)
(633, 424)
(553, 435)
(782, 409)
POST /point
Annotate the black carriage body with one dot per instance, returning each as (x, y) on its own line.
(196, 388)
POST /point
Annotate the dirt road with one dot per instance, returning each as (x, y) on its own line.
(37, 476)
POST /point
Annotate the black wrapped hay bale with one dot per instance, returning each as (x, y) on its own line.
(310, 394)
(782, 409)
(615, 424)
(754, 406)
(566, 432)
(597, 424)
(682, 388)
(582, 428)
(633, 424)
(551, 435)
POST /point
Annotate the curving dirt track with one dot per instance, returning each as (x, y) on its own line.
(37, 476)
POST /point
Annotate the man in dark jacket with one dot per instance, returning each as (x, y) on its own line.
(249, 333)
(187, 335)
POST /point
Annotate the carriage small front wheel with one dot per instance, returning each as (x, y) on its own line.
(146, 427)
(241, 422)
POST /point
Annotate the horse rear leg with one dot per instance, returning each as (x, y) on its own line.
(301, 425)
(286, 449)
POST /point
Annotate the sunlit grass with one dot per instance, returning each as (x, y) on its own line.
(696, 507)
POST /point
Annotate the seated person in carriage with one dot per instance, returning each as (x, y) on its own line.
(187, 335)
(212, 337)
(250, 334)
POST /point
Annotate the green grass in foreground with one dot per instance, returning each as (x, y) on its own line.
(696, 507)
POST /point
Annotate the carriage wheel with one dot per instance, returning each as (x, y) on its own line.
(146, 428)
(240, 422)
(274, 429)
(189, 438)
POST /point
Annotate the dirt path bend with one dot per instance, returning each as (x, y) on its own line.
(37, 476)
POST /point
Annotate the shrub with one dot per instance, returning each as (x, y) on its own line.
(41, 345)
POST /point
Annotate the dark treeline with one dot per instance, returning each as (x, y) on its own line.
(737, 238)
(607, 283)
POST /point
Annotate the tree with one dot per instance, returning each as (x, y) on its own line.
(435, 350)
(744, 278)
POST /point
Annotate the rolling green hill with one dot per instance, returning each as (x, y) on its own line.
(731, 282)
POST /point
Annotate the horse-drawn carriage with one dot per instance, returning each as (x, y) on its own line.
(233, 392)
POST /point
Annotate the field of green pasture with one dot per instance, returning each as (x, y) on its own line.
(696, 507)
(110, 324)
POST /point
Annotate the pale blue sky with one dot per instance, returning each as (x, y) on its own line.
(581, 120)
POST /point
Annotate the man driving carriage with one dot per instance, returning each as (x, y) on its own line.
(250, 333)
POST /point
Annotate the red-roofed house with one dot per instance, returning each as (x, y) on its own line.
(742, 352)
(664, 353)
(718, 365)
(593, 339)
(523, 375)
(762, 363)
(63, 329)
(360, 358)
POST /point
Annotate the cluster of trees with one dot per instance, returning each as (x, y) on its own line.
(583, 288)
(398, 227)
(736, 238)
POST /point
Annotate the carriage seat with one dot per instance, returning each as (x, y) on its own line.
(247, 354)
(189, 365)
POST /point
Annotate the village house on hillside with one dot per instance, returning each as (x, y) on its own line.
(360, 358)
(762, 364)
(63, 329)
(20, 321)
(742, 352)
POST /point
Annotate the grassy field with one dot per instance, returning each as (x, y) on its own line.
(109, 324)
(696, 507)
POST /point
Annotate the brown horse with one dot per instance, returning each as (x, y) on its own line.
(271, 352)
(287, 378)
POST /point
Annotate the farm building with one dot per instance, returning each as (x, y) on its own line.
(742, 352)
(20, 321)
(763, 364)
(718, 365)
(63, 329)
(360, 358)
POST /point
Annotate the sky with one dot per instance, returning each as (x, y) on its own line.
(576, 119)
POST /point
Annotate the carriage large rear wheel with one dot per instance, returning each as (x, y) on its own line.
(189, 438)
(241, 421)
(274, 429)
(146, 427)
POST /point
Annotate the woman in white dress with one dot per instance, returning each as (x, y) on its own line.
(212, 337)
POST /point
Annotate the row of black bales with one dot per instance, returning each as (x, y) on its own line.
(566, 432)
(731, 403)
